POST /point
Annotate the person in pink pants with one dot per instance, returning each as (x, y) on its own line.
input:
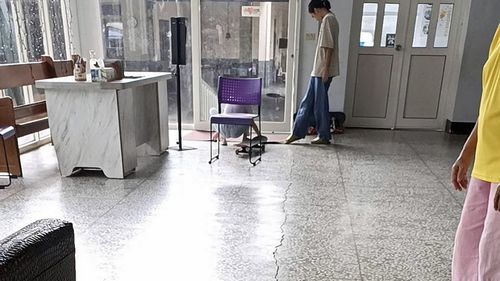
(476, 256)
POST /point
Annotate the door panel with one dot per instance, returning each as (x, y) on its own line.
(425, 68)
(372, 86)
(424, 87)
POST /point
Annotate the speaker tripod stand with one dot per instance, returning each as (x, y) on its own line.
(178, 46)
(180, 147)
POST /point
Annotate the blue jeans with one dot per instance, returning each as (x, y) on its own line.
(315, 107)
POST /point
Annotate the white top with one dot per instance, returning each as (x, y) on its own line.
(327, 38)
(139, 79)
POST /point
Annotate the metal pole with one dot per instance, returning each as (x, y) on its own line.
(179, 121)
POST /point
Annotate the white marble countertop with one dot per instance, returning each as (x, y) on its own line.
(134, 79)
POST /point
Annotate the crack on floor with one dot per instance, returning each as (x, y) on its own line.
(282, 227)
(351, 220)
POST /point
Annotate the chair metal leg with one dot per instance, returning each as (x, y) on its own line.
(210, 161)
(213, 158)
(250, 148)
(250, 152)
(218, 141)
(211, 148)
(260, 148)
(260, 139)
(7, 164)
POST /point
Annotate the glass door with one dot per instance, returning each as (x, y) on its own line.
(245, 39)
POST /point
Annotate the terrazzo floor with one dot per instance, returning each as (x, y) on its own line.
(376, 205)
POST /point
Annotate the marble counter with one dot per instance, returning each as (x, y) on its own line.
(131, 80)
(106, 125)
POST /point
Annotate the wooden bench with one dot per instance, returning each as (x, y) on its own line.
(30, 118)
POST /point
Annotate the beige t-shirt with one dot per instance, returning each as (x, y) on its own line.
(327, 38)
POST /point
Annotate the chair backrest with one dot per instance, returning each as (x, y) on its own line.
(244, 91)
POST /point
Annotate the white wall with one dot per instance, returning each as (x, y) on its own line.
(483, 21)
(343, 11)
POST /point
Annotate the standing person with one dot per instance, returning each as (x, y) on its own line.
(477, 243)
(315, 105)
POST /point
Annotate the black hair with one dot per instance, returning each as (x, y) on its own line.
(318, 4)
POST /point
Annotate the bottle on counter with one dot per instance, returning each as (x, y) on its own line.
(96, 64)
(93, 60)
(94, 67)
(79, 70)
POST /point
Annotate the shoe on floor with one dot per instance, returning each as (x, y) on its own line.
(320, 141)
(338, 131)
(291, 138)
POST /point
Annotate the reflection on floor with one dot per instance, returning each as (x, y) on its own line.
(375, 206)
(273, 103)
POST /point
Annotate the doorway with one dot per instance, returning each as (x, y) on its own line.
(245, 39)
(399, 64)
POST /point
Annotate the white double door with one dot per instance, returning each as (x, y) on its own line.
(400, 63)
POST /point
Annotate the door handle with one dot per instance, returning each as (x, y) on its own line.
(399, 47)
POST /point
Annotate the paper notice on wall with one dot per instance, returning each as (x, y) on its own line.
(443, 26)
(250, 11)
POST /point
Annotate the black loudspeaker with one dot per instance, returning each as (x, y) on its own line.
(178, 30)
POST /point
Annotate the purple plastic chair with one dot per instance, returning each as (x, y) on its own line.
(241, 91)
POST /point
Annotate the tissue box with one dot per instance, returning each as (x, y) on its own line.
(108, 74)
(105, 74)
(117, 65)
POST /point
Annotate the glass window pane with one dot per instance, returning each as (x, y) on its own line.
(22, 141)
(443, 26)
(113, 30)
(422, 21)
(138, 32)
(8, 46)
(368, 25)
(38, 95)
(44, 134)
(57, 30)
(17, 95)
(390, 25)
(33, 27)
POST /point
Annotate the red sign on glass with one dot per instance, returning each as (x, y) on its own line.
(250, 11)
